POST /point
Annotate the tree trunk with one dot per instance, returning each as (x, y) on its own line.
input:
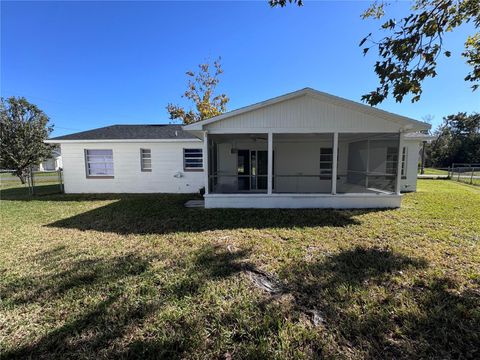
(22, 178)
(21, 174)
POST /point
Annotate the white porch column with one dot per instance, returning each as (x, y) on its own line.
(205, 160)
(270, 164)
(399, 163)
(334, 163)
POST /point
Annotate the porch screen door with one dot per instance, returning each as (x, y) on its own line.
(262, 169)
(252, 169)
(243, 170)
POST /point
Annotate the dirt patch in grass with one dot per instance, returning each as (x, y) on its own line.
(85, 276)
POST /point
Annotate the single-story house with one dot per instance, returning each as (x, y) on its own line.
(53, 163)
(305, 149)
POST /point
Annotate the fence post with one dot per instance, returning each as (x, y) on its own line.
(458, 177)
(29, 184)
(471, 177)
(60, 178)
(422, 169)
(32, 182)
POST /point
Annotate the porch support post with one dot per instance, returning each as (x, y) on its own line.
(270, 164)
(399, 163)
(334, 163)
(206, 154)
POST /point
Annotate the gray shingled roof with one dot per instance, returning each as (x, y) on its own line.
(121, 132)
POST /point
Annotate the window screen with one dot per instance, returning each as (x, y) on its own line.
(192, 159)
(99, 162)
(146, 159)
(404, 161)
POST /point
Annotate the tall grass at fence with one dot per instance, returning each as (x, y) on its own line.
(465, 173)
(37, 182)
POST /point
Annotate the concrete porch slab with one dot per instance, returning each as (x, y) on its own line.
(195, 204)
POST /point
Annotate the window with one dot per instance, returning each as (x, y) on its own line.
(192, 160)
(391, 163)
(99, 163)
(404, 162)
(326, 161)
(146, 160)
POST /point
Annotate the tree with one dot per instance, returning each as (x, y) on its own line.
(458, 140)
(200, 90)
(23, 129)
(409, 52)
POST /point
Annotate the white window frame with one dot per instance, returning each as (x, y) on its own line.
(99, 159)
(191, 156)
(404, 161)
(145, 154)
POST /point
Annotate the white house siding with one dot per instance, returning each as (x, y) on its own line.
(305, 113)
(413, 157)
(167, 161)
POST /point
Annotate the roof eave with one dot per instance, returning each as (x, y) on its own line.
(71, 141)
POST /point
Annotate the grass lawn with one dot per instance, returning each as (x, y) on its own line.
(10, 177)
(142, 276)
(432, 171)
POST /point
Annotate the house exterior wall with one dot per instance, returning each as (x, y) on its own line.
(167, 161)
(303, 113)
(409, 183)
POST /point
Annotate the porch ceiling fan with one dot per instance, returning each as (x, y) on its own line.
(257, 137)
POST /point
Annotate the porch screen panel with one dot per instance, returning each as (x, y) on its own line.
(303, 163)
(382, 172)
(240, 163)
(356, 172)
(371, 163)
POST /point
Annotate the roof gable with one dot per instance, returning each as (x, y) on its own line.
(311, 108)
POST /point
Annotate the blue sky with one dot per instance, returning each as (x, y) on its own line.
(92, 64)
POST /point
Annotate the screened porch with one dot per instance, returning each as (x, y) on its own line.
(321, 163)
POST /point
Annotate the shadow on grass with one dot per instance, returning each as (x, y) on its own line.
(368, 311)
(370, 306)
(22, 192)
(63, 273)
(161, 214)
(49, 192)
(121, 311)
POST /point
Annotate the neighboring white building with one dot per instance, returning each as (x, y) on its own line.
(277, 153)
(53, 163)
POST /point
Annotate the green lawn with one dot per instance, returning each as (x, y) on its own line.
(142, 276)
(10, 177)
(474, 181)
(432, 171)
